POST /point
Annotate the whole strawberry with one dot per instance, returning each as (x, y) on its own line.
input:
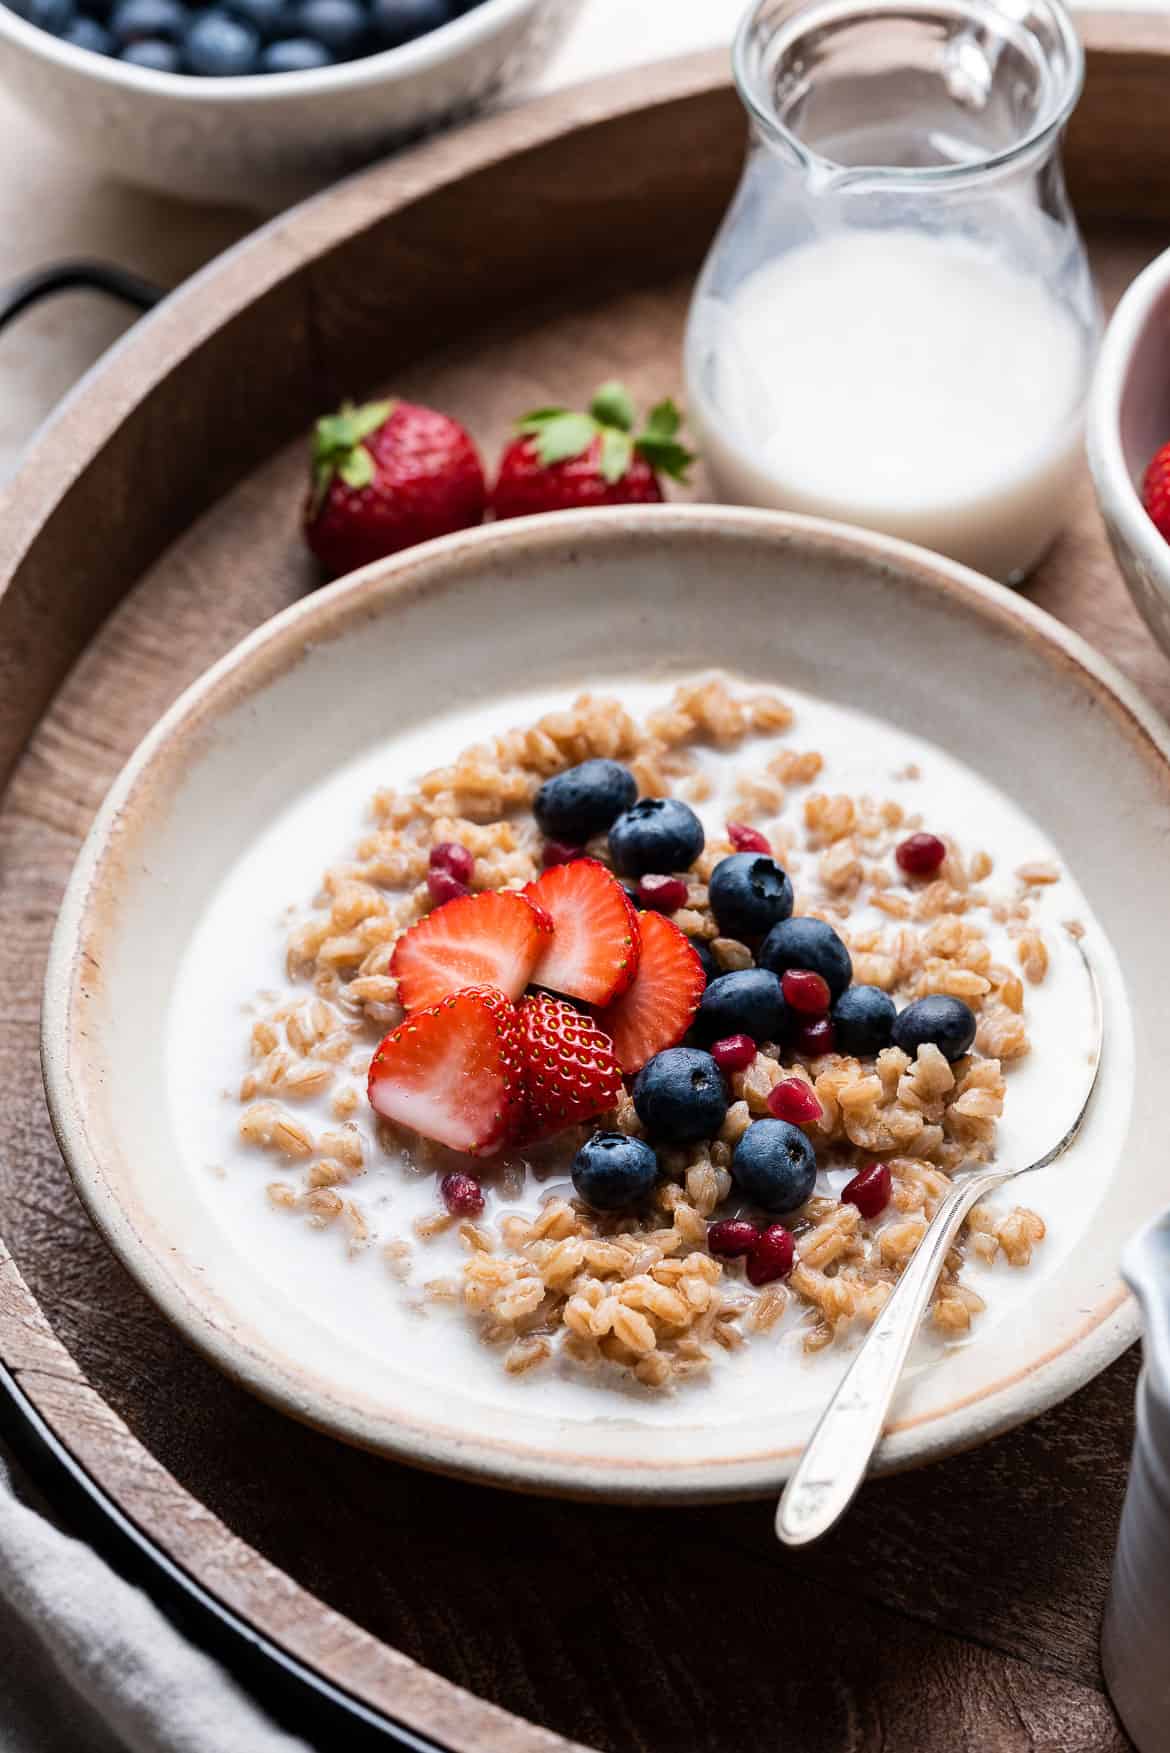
(385, 476)
(1156, 491)
(563, 460)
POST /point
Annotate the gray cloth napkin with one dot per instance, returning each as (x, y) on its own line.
(89, 1665)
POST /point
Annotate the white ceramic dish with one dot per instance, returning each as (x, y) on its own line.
(381, 659)
(1128, 420)
(266, 141)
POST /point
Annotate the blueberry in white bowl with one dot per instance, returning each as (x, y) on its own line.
(747, 1001)
(656, 836)
(680, 1096)
(775, 1165)
(940, 1021)
(811, 945)
(749, 894)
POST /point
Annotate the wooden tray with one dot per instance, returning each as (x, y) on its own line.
(152, 525)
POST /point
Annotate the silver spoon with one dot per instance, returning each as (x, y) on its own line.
(834, 1462)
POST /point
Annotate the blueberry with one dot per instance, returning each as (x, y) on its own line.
(775, 1165)
(747, 1002)
(863, 1021)
(342, 25)
(272, 18)
(660, 834)
(55, 16)
(159, 57)
(87, 33)
(703, 950)
(611, 1170)
(294, 55)
(584, 801)
(749, 894)
(149, 21)
(400, 21)
(947, 1022)
(807, 943)
(219, 46)
(680, 1096)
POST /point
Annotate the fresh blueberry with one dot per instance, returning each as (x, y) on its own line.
(219, 46)
(585, 800)
(680, 1096)
(400, 21)
(946, 1022)
(747, 1002)
(272, 18)
(749, 894)
(342, 25)
(149, 21)
(703, 950)
(775, 1165)
(811, 944)
(863, 1021)
(611, 1170)
(660, 835)
(294, 55)
(87, 33)
(159, 57)
(55, 16)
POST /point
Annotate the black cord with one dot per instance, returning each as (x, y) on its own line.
(296, 1695)
(115, 282)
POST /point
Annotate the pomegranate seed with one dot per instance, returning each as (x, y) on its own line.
(732, 1237)
(559, 852)
(442, 886)
(772, 1256)
(455, 859)
(806, 992)
(870, 1190)
(816, 1038)
(746, 839)
(921, 854)
(793, 1100)
(734, 1052)
(666, 894)
(462, 1195)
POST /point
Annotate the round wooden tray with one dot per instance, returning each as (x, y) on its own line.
(152, 524)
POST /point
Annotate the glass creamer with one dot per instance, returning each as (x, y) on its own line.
(896, 324)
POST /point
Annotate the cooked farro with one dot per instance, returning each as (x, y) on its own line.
(640, 1291)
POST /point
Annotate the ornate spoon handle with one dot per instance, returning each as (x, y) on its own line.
(838, 1453)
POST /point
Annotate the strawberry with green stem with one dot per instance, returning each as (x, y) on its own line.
(385, 476)
(561, 460)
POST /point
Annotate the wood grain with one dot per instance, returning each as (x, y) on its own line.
(958, 1607)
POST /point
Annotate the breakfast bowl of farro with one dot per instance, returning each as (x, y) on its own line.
(520, 1010)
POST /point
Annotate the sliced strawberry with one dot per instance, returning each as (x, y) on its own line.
(492, 939)
(658, 1009)
(570, 1073)
(454, 1072)
(593, 952)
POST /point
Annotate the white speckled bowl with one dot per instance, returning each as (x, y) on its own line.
(1129, 418)
(267, 140)
(469, 624)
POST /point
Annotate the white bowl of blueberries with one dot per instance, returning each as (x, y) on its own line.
(260, 101)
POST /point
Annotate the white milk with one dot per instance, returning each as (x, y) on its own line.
(913, 384)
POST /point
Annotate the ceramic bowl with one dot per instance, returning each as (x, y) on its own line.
(266, 765)
(1128, 420)
(265, 141)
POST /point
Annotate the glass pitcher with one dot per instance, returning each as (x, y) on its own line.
(896, 323)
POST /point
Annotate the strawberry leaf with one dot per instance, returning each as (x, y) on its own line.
(564, 436)
(663, 420)
(665, 455)
(617, 453)
(356, 467)
(539, 417)
(611, 406)
(338, 449)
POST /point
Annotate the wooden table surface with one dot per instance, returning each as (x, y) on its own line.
(956, 1609)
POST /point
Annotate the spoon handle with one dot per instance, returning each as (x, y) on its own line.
(838, 1452)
